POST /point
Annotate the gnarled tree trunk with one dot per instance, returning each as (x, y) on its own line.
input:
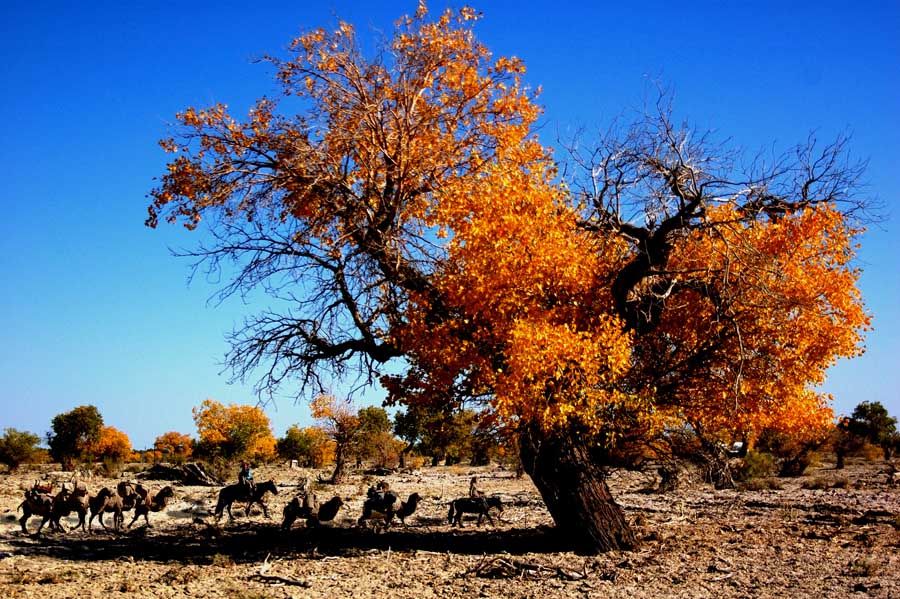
(574, 489)
(340, 461)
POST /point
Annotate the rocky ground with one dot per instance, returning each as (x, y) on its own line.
(840, 538)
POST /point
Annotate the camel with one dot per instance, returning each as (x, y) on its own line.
(148, 504)
(64, 503)
(386, 505)
(310, 509)
(38, 502)
(473, 505)
(132, 494)
(238, 492)
(109, 502)
(303, 505)
(327, 511)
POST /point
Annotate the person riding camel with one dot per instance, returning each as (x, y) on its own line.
(245, 477)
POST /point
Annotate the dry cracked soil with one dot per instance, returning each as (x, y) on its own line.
(828, 534)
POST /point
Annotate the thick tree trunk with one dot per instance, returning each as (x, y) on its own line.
(339, 466)
(574, 489)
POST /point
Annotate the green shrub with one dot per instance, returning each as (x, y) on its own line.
(870, 452)
(794, 454)
(756, 464)
(18, 447)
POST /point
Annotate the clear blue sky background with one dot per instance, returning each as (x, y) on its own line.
(94, 310)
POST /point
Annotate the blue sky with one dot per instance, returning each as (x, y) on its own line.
(95, 310)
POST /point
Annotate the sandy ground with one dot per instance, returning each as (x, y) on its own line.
(842, 541)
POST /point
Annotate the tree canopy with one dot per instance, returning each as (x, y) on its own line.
(233, 431)
(174, 446)
(74, 433)
(871, 422)
(17, 447)
(409, 210)
(112, 444)
(311, 446)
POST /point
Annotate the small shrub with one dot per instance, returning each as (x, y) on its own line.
(762, 484)
(179, 575)
(841, 483)
(220, 468)
(822, 483)
(794, 454)
(111, 467)
(863, 566)
(458, 469)
(795, 466)
(247, 594)
(815, 484)
(128, 586)
(415, 462)
(756, 464)
(21, 577)
(222, 561)
(59, 576)
(871, 453)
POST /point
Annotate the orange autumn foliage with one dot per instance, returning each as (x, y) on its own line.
(174, 445)
(435, 227)
(337, 418)
(113, 444)
(236, 431)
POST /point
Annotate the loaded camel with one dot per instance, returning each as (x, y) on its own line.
(156, 503)
(308, 507)
(385, 504)
(106, 501)
(64, 503)
(38, 502)
(132, 494)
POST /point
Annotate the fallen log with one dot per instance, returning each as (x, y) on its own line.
(190, 474)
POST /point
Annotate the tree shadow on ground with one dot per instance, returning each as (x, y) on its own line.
(251, 542)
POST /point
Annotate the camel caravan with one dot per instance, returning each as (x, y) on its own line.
(40, 500)
(381, 506)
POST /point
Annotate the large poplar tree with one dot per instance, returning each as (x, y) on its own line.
(409, 211)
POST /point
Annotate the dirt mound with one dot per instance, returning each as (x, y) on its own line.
(191, 474)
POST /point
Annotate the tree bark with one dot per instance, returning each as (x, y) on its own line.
(339, 466)
(574, 489)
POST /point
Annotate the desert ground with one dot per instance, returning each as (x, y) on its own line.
(840, 539)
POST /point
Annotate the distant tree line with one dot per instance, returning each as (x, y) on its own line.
(868, 432)
(344, 436)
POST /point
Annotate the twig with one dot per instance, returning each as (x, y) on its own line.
(499, 567)
(261, 576)
(272, 579)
